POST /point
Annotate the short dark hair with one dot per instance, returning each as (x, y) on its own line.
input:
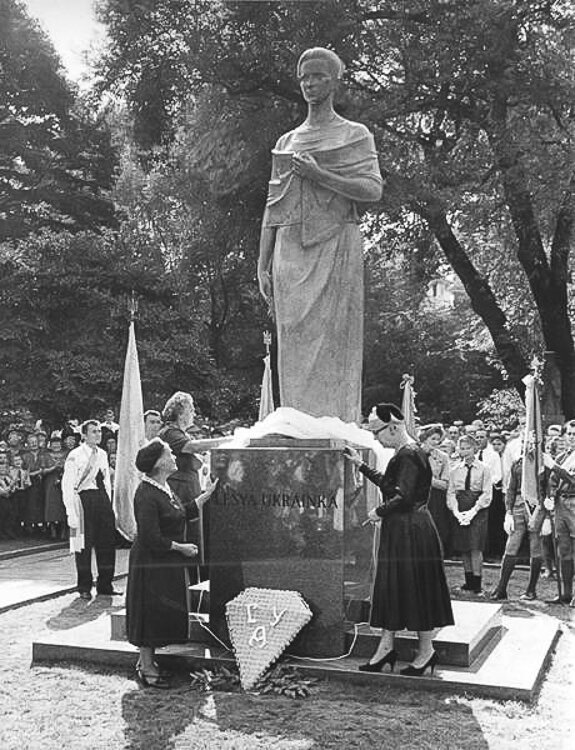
(149, 454)
(151, 413)
(497, 436)
(84, 426)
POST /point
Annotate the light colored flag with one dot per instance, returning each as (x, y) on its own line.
(131, 437)
(532, 444)
(266, 395)
(408, 404)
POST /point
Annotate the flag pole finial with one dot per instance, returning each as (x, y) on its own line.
(536, 368)
(133, 306)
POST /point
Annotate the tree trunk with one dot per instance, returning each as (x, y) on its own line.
(481, 296)
(548, 281)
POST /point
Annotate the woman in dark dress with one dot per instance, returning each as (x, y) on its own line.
(410, 589)
(156, 602)
(430, 438)
(55, 511)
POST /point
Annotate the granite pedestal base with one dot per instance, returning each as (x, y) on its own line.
(279, 520)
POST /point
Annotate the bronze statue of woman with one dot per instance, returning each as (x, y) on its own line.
(311, 265)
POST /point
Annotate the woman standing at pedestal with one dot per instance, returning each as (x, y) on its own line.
(410, 589)
(156, 600)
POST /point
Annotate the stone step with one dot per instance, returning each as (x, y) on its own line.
(512, 670)
(478, 628)
(197, 632)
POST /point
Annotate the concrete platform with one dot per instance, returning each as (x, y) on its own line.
(512, 669)
(43, 575)
(478, 626)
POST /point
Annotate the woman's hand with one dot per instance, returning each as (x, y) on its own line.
(352, 455)
(304, 165)
(187, 550)
(207, 493)
(372, 516)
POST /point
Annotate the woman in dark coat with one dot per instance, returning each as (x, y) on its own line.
(410, 589)
(156, 602)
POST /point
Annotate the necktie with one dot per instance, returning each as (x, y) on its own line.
(481, 455)
(468, 477)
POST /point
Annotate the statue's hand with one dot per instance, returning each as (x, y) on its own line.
(265, 282)
(304, 165)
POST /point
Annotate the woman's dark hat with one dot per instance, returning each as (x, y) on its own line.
(382, 415)
(149, 454)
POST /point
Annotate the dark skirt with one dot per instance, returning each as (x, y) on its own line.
(442, 516)
(54, 511)
(496, 536)
(33, 505)
(410, 589)
(156, 603)
(473, 537)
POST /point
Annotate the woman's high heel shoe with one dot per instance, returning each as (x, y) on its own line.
(390, 658)
(154, 681)
(162, 672)
(412, 671)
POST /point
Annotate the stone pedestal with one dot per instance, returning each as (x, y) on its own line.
(279, 519)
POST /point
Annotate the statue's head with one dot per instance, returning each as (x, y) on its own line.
(333, 62)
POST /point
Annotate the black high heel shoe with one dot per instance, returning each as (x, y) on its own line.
(390, 658)
(412, 671)
(154, 681)
(162, 672)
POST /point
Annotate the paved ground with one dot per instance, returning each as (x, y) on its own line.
(40, 573)
(45, 708)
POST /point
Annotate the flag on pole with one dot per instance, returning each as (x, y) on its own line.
(408, 404)
(266, 394)
(532, 444)
(131, 437)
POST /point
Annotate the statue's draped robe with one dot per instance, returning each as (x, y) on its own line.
(318, 270)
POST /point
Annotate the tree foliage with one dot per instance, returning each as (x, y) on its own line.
(56, 162)
(64, 316)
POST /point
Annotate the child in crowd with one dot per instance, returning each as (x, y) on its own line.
(8, 516)
(468, 498)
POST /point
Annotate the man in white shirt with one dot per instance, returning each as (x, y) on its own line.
(86, 491)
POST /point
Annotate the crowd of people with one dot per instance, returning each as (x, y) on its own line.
(479, 509)
(32, 458)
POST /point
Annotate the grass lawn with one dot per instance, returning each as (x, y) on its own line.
(90, 708)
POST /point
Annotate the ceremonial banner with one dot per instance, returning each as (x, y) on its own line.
(408, 404)
(266, 395)
(262, 623)
(532, 444)
(131, 437)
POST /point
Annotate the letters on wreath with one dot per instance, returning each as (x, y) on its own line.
(262, 623)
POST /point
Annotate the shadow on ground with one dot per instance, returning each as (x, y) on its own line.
(335, 716)
(80, 611)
